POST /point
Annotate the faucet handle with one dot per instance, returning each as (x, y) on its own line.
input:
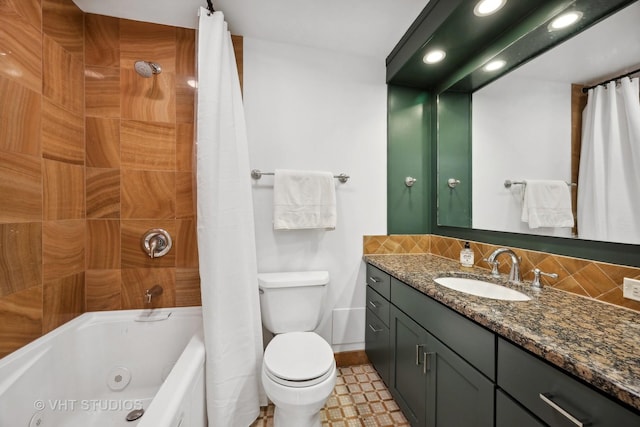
(536, 277)
(494, 267)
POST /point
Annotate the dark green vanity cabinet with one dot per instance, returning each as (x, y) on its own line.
(430, 380)
(555, 397)
(377, 321)
(429, 356)
(445, 370)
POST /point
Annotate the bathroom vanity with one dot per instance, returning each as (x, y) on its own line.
(453, 359)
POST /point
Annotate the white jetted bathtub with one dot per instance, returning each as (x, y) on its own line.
(101, 367)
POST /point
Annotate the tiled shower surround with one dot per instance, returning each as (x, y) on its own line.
(597, 280)
(91, 156)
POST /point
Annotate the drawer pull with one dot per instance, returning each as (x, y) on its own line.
(374, 279)
(374, 329)
(426, 356)
(373, 304)
(418, 348)
(546, 398)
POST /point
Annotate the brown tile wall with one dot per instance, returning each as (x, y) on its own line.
(91, 156)
(135, 156)
(597, 280)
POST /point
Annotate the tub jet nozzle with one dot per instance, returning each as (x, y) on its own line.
(135, 414)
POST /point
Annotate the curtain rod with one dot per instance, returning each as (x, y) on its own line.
(210, 6)
(586, 89)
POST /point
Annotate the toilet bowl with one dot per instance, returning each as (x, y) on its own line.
(298, 369)
(298, 375)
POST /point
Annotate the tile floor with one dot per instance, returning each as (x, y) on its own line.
(360, 398)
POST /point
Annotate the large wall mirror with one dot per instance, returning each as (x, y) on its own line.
(527, 125)
(488, 127)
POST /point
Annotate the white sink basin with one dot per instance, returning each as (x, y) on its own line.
(482, 289)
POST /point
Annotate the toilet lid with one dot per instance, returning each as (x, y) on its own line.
(298, 356)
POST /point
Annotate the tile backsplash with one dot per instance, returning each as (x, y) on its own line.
(597, 280)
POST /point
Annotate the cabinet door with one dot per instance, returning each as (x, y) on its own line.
(457, 394)
(408, 379)
(510, 414)
(377, 345)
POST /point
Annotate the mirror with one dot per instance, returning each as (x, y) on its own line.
(521, 123)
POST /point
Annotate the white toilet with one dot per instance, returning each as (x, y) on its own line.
(298, 370)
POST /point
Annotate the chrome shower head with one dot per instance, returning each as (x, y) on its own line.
(147, 69)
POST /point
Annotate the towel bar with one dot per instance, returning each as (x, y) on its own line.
(257, 174)
(508, 183)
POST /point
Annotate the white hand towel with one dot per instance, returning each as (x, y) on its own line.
(304, 199)
(547, 203)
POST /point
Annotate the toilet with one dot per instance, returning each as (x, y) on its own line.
(298, 369)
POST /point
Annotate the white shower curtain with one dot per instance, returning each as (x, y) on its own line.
(226, 239)
(609, 177)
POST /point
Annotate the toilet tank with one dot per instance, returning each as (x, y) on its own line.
(292, 301)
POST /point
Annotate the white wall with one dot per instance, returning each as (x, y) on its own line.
(521, 129)
(319, 110)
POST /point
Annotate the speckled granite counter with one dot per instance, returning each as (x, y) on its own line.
(597, 342)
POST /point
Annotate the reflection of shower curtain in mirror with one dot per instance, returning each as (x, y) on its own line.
(609, 177)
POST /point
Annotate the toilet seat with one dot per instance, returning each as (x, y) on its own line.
(298, 359)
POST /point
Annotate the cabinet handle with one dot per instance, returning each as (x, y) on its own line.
(426, 357)
(373, 304)
(418, 347)
(374, 279)
(547, 398)
(374, 329)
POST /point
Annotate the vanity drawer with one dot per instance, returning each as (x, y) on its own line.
(377, 345)
(378, 305)
(378, 280)
(548, 392)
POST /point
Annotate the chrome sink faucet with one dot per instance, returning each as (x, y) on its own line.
(514, 274)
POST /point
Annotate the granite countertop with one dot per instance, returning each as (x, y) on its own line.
(595, 341)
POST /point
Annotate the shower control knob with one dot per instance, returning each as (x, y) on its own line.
(156, 242)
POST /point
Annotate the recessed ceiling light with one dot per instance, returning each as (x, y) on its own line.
(488, 7)
(565, 20)
(434, 56)
(494, 65)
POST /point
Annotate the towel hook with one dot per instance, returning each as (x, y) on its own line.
(452, 182)
(409, 181)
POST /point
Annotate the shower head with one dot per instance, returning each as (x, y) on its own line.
(147, 69)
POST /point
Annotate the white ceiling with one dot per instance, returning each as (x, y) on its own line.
(606, 50)
(364, 27)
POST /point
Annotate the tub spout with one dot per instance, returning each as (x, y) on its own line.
(153, 292)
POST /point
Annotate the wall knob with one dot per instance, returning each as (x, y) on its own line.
(409, 181)
(452, 182)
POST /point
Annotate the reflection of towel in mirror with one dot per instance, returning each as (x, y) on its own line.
(304, 199)
(547, 203)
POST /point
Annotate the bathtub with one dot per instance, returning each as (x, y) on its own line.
(96, 369)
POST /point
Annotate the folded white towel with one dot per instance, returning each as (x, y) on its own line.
(304, 199)
(547, 203)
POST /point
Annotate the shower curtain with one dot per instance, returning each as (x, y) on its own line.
(609, 176)
(226, 239)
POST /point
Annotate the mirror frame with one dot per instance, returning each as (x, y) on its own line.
(517, 37)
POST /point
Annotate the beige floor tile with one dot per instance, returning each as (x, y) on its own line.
(360, 399)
